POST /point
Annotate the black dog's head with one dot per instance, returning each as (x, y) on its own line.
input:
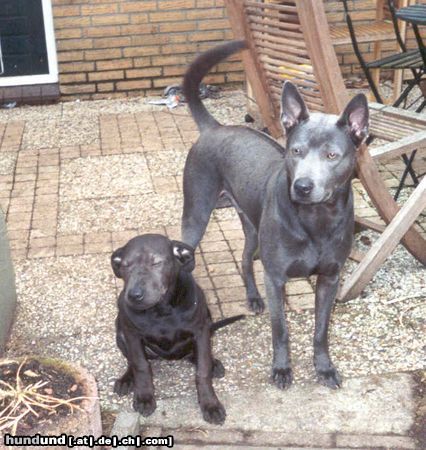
(149, 266)
(321, 148)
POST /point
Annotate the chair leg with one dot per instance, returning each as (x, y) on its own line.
(385, 244)
(408, 170)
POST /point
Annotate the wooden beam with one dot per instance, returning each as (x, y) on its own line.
(385, 244)
(321, 52)
(384, 203)
(253, 70)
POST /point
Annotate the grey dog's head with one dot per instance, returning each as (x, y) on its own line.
(149, 266)
(321, 148)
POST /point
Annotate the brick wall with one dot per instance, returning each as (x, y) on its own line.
(110, 48)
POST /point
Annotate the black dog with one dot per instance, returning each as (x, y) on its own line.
(295, 204)
(162, 312)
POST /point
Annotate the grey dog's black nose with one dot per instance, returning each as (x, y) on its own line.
(303, 186)
(136, 294)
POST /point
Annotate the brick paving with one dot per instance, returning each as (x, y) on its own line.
(69, 205)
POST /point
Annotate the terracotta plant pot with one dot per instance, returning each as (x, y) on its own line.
(84, 420)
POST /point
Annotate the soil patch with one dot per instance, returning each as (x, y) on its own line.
(50, 393)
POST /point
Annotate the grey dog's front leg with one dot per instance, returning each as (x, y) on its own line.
(281, 370)
(326, 289)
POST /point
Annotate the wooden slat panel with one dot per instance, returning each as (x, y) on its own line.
(405, 145)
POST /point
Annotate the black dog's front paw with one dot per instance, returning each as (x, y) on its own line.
(144, 404)
(329, 377)
(218, 369)
(214, 413)
(282, 378)
(256, 304)
(124, 385)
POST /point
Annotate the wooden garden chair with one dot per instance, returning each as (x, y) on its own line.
(291, 41)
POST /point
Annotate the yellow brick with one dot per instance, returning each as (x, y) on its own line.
(166, 16)
(175, 4)
(114, 19)
(169, 60)
(112, 42)
(139, 29)
(72, 78)
(105, 87)
(68, 89)
(76, 67)
(89, 10)
(214, 79)
(107, 75)
(141, 51)
(167, 81)
(178, 48)
(130, 85)
(206, 36)
(141, 73)
(114, 64)
(159, 39)
(108, 95)
(68, 33)
(102, 31)
(66, 10)
(174, 70)
(235, 76)
(102, 54)
(142, 62)
(74, 44)
(174, 27)
(71, 22)
(138, 6)
(70, 56)
(139, 18)
(213, 24)
(204, 14)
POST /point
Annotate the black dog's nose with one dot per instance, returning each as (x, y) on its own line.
(136, 294)
(303, 186)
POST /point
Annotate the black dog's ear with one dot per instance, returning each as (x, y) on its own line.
(116, 258)
(293, 108)
(184, 253)
(355, 117)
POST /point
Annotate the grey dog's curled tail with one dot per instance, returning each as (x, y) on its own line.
(222, 323)
(197, 71)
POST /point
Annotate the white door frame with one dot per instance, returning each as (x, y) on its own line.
(52, 76)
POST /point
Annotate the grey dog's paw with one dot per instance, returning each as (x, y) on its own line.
(330, 378)
(256, 305)
(282, 378)
(124, 385)
(214, 413)
(218, 369)
(144, 404)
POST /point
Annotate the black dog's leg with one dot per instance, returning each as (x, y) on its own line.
(281, 370)
(255, 302)
(325, 295)
(212, 409)
(143, 397)
(218, 371)
(124, 384)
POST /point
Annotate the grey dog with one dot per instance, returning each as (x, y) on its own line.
(295, 204)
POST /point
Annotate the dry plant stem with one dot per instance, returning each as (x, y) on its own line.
(29, 397)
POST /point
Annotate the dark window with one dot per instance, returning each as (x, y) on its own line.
(22, 38)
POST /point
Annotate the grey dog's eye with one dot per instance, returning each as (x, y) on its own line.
(331, 155)
(296, 151)
(156, 263)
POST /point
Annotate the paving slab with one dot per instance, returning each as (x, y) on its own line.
(366, 405)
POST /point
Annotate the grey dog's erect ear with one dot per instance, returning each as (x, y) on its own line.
(116, 262)
(184, 253)
(355, 117)
(293, 108)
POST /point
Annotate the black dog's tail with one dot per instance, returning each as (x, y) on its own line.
(196, 72)
(227, 321)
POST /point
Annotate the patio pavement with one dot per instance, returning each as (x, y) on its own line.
(78, 180)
